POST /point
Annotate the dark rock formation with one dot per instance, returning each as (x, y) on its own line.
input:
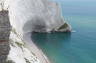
(4, 35)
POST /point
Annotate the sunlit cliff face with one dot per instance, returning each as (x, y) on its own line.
(35, 15)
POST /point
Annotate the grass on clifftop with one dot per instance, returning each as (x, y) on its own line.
(10, 61)
(65, 25)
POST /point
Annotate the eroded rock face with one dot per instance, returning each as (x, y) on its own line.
(36, 16)
(4, 35)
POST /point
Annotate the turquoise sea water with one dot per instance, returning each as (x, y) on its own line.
(75, 47)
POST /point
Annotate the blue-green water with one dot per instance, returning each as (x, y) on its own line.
(75, 47)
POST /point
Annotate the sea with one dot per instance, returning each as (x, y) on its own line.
(79, 46)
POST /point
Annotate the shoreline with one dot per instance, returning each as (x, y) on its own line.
(35, 49)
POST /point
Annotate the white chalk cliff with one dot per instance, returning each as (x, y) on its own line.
(28, 16)
(36, 15)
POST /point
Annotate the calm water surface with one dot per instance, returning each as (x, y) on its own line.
(75, 47)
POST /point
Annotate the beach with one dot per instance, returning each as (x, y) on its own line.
(35, 49)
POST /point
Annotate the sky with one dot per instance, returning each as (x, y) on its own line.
(78, 6)
(77, 0)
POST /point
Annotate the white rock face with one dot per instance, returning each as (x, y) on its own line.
(19, 53)
(35, 15)
(32, 15)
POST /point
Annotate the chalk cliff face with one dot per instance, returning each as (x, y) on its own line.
(13, 49)
(28, 16)
(36, 16)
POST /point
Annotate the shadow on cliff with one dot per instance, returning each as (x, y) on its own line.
(36, 24)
